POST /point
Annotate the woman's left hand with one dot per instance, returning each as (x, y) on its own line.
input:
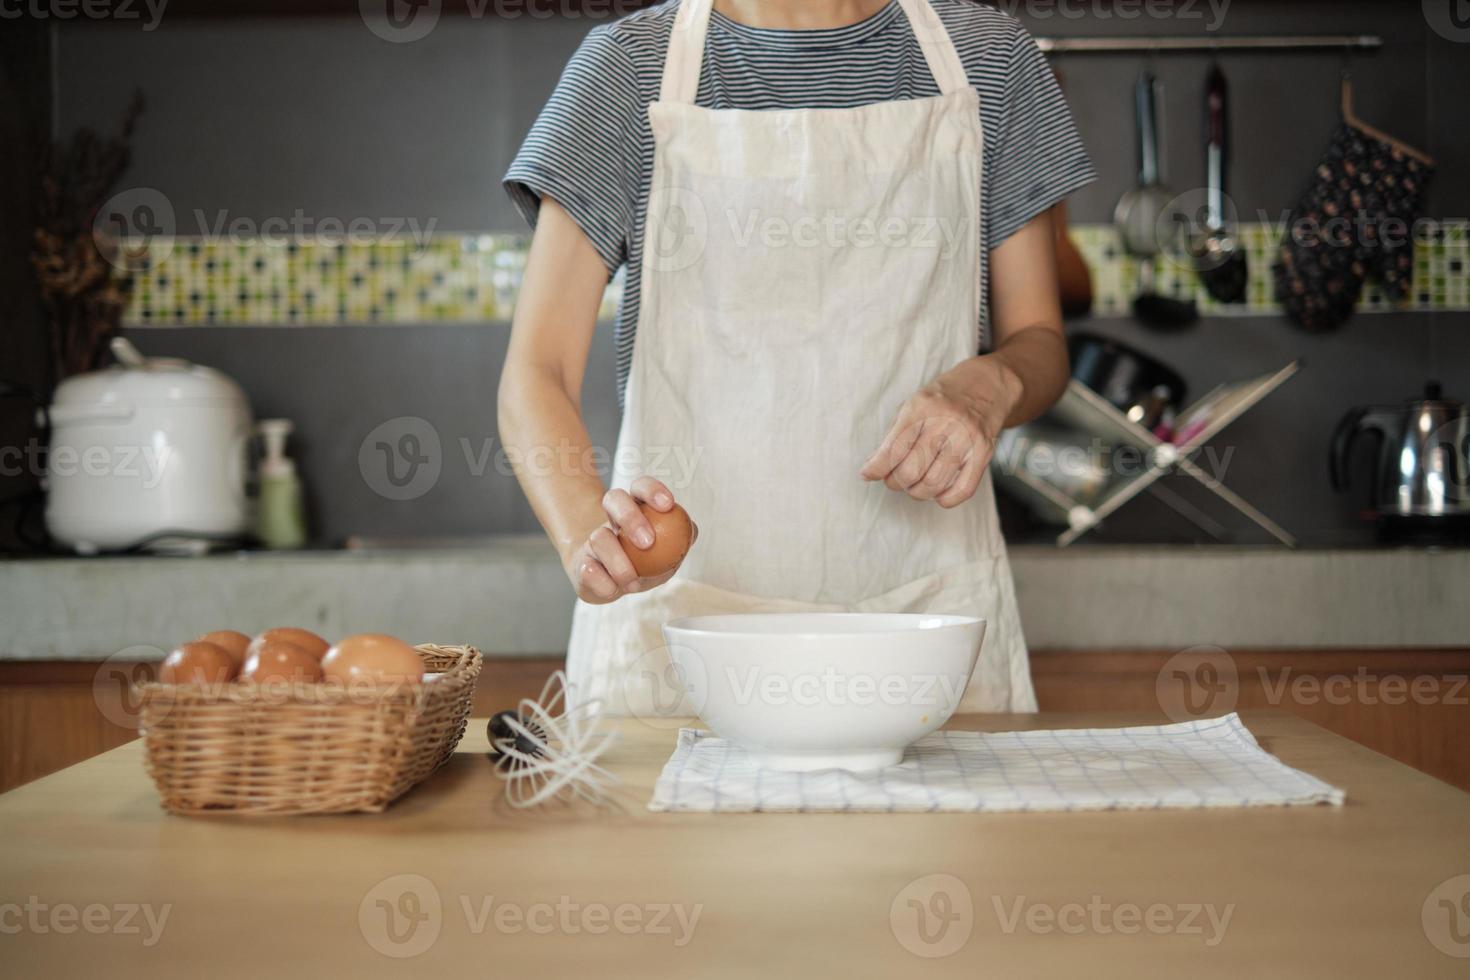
(942, 440)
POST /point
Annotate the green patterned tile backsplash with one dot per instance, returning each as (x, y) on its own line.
(444, 279)
(1441, 273)
(465, 278)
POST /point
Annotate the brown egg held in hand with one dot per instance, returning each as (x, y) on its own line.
(373, 659)
(672, 535)
(198, 663)
(232, 642)
(274, 661)
(305, 639)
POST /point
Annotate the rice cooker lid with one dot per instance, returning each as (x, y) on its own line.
(157, 381)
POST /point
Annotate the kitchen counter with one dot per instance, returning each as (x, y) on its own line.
(473, 888)
(509, 597)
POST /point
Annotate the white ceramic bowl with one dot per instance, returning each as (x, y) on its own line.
(806, 691)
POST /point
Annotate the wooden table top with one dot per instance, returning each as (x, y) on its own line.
(97, 879)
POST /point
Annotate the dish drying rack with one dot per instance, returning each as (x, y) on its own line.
(1083, 410)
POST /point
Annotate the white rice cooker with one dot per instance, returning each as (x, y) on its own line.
(151, 453)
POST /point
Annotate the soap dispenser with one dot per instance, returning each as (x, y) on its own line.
(280, 517)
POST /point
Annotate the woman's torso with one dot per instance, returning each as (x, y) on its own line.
(876, 60)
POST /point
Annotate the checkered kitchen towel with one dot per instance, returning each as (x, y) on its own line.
(1210, 763)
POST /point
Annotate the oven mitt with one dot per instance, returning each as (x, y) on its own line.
(1354, 220)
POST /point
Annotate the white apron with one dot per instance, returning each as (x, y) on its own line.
(804, 273)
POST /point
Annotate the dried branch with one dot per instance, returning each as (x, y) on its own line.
(83, 292)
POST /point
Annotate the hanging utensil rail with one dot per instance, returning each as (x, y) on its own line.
(1149, 45)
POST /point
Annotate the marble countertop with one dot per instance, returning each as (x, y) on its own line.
(509, 597)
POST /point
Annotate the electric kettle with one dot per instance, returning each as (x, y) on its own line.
(150, 453)
(1423, 469)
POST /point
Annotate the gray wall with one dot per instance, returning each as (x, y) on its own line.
(264, 118)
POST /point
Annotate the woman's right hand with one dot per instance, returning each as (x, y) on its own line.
(599, 568)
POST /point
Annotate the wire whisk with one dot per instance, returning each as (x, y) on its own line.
(543, 755)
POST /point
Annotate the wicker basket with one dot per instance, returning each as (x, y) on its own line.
(306, 748)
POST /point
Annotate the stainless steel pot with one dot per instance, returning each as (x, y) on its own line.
(1139, 386)
(1423, 467)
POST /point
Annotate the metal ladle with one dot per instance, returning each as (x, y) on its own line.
(1143, 210)
(1219, 260)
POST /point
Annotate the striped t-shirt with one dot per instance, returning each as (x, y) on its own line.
(591, 149)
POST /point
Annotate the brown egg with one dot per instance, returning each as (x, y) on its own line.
(277, 661)
(305, 639)
(232, 642)
(372, 658)
(198, 663)
(672, 535)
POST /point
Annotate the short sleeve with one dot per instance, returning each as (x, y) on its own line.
(1037, 157)
(582, 151)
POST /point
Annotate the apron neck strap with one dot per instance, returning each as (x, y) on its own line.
(691, 25)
